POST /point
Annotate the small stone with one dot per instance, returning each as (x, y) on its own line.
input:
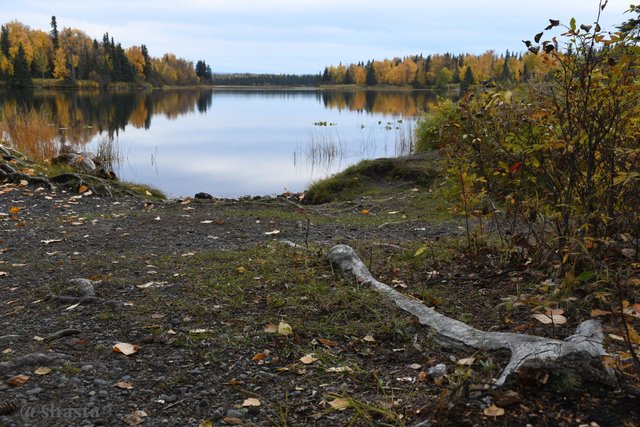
(74, 381)
(103, 394)
(100, 383)
(33, 391)
(232, 413)
(86, 368)
(217, 414)
(437, 371)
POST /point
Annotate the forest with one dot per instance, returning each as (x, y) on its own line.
(72, 56)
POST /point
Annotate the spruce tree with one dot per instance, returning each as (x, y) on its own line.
(4, 41)
(467, 81)
(54, 33)
(21, 77)
(371, 79)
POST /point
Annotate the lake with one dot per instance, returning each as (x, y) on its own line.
(230, 143)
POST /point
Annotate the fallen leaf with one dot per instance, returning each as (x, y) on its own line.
(82, 189)
(270, 233)
(18, 380)
(416, 366)
(369, 338)
(250, 402)
(308, 359)
(206, 423)
(270, 328)
(339, 404)
(364, 212)
(71, 307)
(259, 356)
(208, 221)
(616, 337)
(633, 281)
(493, 411)
(547, 319)
(125, 348)
(241, 270)
(327, 342)
(422, 376)
(15, 210)
(468, 361)
(284, 329)
(234, 381)
(597, 312)
(42, 370)
(135, 418)
(339, 369)
(232, 421)
(123, 385)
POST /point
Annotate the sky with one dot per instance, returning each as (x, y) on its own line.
(304, 36)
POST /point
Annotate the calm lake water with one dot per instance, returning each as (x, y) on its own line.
(231, 143)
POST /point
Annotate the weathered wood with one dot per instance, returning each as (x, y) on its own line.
(450, 332)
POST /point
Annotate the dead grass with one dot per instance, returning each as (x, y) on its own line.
(30, 132)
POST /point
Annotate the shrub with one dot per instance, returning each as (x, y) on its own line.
(430, 127)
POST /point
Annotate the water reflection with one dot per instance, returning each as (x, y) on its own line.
(189, 139)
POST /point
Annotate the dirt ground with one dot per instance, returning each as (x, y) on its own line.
(230, 324)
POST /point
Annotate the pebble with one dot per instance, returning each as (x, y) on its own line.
(437, 371)
(33, 391)
(103, 394)
(100, 383)
(217, 414)
(86, 368)
(232, 413)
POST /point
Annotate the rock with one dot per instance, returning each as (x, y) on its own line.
(86, 368)
(217, 414)
(203, 196)
(437, 371)
(232, 413)
(100, 383)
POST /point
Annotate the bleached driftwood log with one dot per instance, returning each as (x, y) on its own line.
(449, 332)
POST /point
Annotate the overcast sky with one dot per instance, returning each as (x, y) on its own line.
(303, 36)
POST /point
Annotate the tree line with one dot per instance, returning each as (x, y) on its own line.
(438, 70)
(71, 55)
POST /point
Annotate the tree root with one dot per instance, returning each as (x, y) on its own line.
(30, 360)
(87, 292)
(449, 332)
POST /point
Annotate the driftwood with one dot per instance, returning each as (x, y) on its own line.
(525, 349)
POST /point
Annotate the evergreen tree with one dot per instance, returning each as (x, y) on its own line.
(467, 81)
(326, 76)
(147, 62)
(506, 76)
(4, 41)
(21, 77)
(54, 33)
(203, 71)
(371, 79)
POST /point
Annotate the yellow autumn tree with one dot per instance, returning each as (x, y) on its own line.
(136, 58)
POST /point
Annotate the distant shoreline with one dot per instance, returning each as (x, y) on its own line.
(87, 85)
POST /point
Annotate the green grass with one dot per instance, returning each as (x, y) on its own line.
(371, 177)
